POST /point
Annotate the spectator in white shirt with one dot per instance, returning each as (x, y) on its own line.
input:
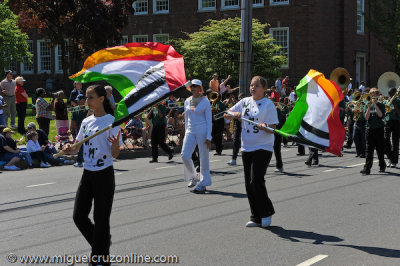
(35, 150)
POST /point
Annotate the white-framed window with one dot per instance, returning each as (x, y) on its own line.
(161, 38)
(141, 7)
(26, 67)
(207, 5)
(361, 66)
(140, 38)
(124, 40)
(278, 2)
(44, 56)
(229, 4)
(58, 58)
(12, 65)
(360, 16)
(160, 6)
(281, 36)
(258, 3)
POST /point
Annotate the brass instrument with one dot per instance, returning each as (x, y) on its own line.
(388, 80)
(341, 77)
(362, 100)
(280, 106)
(213, 97)
(388, 105)
(232, 122)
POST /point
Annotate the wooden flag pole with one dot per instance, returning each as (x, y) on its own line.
(61, 153)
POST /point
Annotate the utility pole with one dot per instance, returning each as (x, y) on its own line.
(246, 53)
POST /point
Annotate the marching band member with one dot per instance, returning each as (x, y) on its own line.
(374, 112)
(98, 180)
(257, 148)
(278, 140)
(198, 126)
(217, 125)
(392, 129)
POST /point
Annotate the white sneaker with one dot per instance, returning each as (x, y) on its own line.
(47, 164)
(252, 224)
(278, 170)
(231, 162)
(192, 182)
(78, 164)
(44, 165)
(11, 168)
(266, 221)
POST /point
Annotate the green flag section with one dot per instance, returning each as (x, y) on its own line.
(314, 120)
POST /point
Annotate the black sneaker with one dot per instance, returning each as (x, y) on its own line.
(170, 156)
(308, 163)
(153, 161)
(315, 163)
(382, 170)
(300, 154)
(365, 172)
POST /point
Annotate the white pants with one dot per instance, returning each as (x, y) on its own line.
(189, 144)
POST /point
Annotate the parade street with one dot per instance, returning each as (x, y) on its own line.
(326, 215)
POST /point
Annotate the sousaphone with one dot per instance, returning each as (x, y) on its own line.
(386, 81)
(341, 77)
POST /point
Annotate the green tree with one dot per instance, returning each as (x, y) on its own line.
(383, 20)
(88, 25)
(216, 48)
(13, 43)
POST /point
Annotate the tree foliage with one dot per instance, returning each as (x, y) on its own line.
(216, 48)
(13, 42)
(383, 20)
(88, 25)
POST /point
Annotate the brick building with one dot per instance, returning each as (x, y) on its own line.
(318, 34)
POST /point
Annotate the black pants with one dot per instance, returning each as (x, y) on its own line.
(158, 139)
(350, 133)
(237, 139)
(255, 166)
(277, 150)
(217, 134)
(44, 124)
(313, 156)
(376, 141)
(392, 130)
(96, 186)
(38, 155)
(359, 138)
(300, 149)
(21, 112)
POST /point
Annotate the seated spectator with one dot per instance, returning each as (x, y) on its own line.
(136, 129)
(175, 120)
(35, 150)
(7, 154)
(49, 149)
(2, 106)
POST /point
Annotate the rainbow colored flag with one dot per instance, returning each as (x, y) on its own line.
(314, 120)
(143, 73)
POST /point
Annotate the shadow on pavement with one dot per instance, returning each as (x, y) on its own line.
(383, 252)
(295, 235)
(231, 194)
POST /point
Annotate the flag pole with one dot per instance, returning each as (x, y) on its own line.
(218, 116)
(61, 153)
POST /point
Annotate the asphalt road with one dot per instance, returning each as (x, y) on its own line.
(327, 215)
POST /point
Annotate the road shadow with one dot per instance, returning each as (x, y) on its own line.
(230, 194)
(293, 174)
(383, 252)
(222, 173)
(297, 235)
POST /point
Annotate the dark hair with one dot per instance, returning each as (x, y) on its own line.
(100, 91)
(392, 91)
(30, 135)
(262, 80)
(39, 92)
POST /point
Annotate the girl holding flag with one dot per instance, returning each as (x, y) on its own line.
(98, 181)
(257, 148)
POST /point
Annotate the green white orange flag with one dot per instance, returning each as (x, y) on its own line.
(314, 120)
(143, 73)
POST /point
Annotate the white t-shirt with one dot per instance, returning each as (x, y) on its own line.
(32, 146)
(261, 111)
(199, 118)
(97, 151)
